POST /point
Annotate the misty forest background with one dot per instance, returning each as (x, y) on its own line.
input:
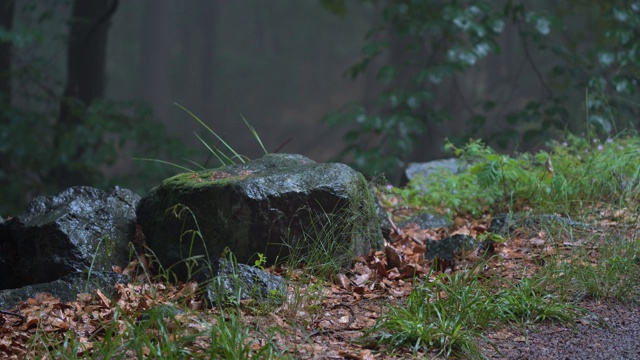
(88, 85)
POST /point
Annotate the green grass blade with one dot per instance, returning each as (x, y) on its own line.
(210, 130)
(194, 163)
(255, 134)
(166, 163)
(217, 153)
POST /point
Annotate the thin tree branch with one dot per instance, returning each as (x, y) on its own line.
(527, 53)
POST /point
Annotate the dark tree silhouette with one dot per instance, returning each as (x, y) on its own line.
(6, 21)
(86, 59)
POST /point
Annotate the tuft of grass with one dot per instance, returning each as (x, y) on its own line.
(192, 261)
(328, 239)
(607, 268)
(445, 315)
(230, 338)
(303, 299)
(226, 155)
(529, 302)
(323, 248)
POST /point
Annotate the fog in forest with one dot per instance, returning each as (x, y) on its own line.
(281, 65)
(277, 64)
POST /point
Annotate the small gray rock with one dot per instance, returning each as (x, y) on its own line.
(236, 282)
(428, 221)
(448, 247)
(426, 169)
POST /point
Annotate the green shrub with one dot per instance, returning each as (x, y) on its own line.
(584, 172)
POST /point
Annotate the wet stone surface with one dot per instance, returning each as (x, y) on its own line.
(79, 228)
(267, 206)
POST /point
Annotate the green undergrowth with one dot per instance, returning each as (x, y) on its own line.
(573, 174)
(448, 314)
(603, 266)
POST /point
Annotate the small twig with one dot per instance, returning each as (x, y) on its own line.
(11, 314)
(527, 54)
(394, 227)
(352, 317)
(351, 312)
(457, 89)
(398, 231)
(283, 145)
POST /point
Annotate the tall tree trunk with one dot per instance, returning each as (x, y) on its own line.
(6, 21)
(86, 53)
(86, 67)
(158, 25)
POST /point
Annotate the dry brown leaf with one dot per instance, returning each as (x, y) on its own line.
(343, 281)
(393, 257)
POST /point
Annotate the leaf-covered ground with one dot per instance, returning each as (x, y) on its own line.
(326, 318)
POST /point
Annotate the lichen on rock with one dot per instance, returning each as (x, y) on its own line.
(263, 206)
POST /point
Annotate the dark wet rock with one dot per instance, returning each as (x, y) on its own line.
(502, 224)
(445, 251)
(234, 282)
(258, 207)
(426, 169)
(449, 246)
(5, 267)
(82, 228)
(427, 221)
(66, 288)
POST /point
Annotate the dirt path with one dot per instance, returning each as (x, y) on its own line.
(621, 340)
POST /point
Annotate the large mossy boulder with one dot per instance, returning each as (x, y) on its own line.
(270, 206)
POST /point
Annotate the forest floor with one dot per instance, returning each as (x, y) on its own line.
(329, 317)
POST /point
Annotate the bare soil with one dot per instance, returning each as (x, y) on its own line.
(612, 333)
